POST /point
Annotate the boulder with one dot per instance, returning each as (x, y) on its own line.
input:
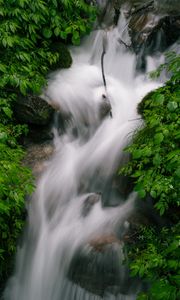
(105, 107)
(37, 156)
(95, 271)
(64, 57)
(98, 269)
(153, 25)
(31, 109)
(99, 244)
(152, 29)
(89, 203)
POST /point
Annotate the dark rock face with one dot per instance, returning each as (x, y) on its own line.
(38, 114)
(168, 6)
(89, 202)
(36, 157)
(153, 33)
(65, 59)
(153, 27)
(105, 107)
(32, 109)
(98, 269)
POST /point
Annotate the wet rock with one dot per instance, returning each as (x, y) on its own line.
(95, 270)
(100, 243)
(89, 203)
(64, 56)
(37, 156)
(172, 7)
(152, 29)
(153, 33)
(105, 107)
(153, 26)
(98, 268)
(32, 109)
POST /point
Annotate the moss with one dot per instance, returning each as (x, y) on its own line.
(65, 59)
(141, 105)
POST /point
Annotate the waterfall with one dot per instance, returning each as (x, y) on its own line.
(72, 205)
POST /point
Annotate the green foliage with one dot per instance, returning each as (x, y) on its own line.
(155, 168)
(28, 30)
(156, 259)
(155, 163)
(171, 66)
(33, 35)
(15, 184)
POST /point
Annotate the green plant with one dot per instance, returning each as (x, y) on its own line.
(28, 30)
(33, 39)
(16, 182)
(156, 260)
(155, 153)
(155, 167)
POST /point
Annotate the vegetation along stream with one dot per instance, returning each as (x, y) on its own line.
(102, 218)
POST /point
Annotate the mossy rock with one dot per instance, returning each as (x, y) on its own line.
(32, 109)
(65, 59)
(141, 105)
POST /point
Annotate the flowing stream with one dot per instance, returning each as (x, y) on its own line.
(74, 204)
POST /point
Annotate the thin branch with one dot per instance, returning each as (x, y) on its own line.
(145, 6)
(135, 119)
(104, 44)
(123, 43)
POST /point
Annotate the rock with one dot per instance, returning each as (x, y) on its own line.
(172, 7)
(153, 26)
(89, 203)
(153, 33)
(36, 157)
(32, 109)
(65, 59)
(99, 244)
(98, 268)
(105, 107)
(94, 270)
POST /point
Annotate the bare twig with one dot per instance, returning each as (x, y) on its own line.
(135, 119)
(126, 45)
(104, 44)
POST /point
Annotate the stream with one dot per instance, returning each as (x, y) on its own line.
(72, 249)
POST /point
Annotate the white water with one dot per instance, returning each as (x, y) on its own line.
(82, 164)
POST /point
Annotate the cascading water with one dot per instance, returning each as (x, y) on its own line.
(67, 211)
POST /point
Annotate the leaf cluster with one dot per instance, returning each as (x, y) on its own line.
(155, 152)
(33, 39)
(155, 167)
(28, 30)
(156, 259)
(16, 182)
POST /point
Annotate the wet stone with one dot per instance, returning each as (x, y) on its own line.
(100, 271)
(89, 203)
(32, 109)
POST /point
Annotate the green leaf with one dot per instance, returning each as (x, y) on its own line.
(153, 194)
(57, 31)
(136, 154)
(3, 68)
(172, 106)
(157, 160)
(7, 111)
(177, 172)
(158, 138)
(142, 193)
(63, 35)
(3, 137)
(47, 33)
(159, 99)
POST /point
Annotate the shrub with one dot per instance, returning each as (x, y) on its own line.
(155, 168)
